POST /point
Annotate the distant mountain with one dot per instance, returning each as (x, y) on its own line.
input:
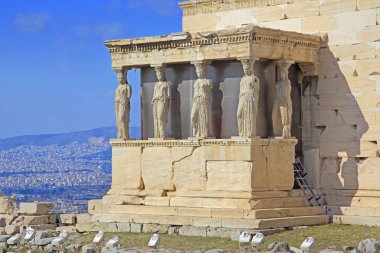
(89, 136)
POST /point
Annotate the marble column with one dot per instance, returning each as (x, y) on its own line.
(123, 95)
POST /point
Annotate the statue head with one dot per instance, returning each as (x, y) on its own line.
(284, 69)
(122, 75)
(160, 73)
(200, 69)
(247, 67)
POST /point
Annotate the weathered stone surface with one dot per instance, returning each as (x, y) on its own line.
(279, 247)
(239, 176)
(83, 217)
(7, 205)
(89, 248)
(67, 218)
(70, 229)
(369, 245)
(12, 229)
(136, 227)
(96, 206)
(155, 228)
(126, 170)
(36, 208)
(156, 166)
(336, 6)
(193, 231)
(302, 9)
(24, 220)
(218, 232)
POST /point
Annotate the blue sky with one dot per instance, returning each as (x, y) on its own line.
(55, 72)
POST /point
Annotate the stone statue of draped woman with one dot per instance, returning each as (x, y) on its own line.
(199, 111)
(160, 102)
(282, 108)
(123, 95)
(248, 101)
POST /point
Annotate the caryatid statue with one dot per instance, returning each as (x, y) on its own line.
(248, 100)
(160, 102)
(122, 104)
(282, 108)
(200, 111)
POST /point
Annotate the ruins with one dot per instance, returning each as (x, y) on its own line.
(227, 104)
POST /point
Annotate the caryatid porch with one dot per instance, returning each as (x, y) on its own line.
(223, 181)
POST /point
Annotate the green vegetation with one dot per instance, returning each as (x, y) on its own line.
(334, 235)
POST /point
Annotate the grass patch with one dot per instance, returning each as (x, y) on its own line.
(326, 236)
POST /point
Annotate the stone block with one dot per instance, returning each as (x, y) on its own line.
(45, 227)
(293, 25)
(122, 200)
(141, 209)
(36, 208)
(190, 172)
(218, 232)
(123, 227)
(312, 165)
(70, 229)
(12, 229)
(67, 218)
(318, 23)
(227, 213)
(126, 168)
(89, 248)
(24, 220)
(239, 176)
(200, 22)
(156, 167)
(356, 51)
(292, 221)
(337, 6)
(155, 228)
(173, 230)
(83, 217)
(267, 13)
(234, 18)
(96, 206)
(302, 9)
(196, 212)
(226, 203)
(7, 205)
(157, 201)
(238, 223)
(356, 220)
(193, 231)
(369, 34)
(367, 4)
(136, 227)
(206, 222)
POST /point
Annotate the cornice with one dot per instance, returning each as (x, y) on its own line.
(194, 7)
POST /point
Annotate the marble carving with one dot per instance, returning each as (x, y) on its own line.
(160, 102)
(282, 108)
(248, 101)
(199, 110)
(122, 105)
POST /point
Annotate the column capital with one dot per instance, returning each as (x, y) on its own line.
(121, 74)
(158, 65)
(309, 69)
(204, 62)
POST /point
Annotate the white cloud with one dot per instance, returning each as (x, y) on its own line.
(33, 22)
(159, 7)
(102, 30)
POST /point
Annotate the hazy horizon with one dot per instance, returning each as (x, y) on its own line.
(56, 74)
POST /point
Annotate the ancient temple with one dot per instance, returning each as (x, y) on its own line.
(227, 104)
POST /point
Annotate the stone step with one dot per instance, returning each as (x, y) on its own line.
(217, 212)
(353, 201)
(291, 221)
(354, 211)
(279, 202)
(356, 220)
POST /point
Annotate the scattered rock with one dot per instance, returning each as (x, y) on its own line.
(348, 248)
(173, 230)
(214, 251)
(12, 229)
(279, 246)
(8, 205)
(89, 248)
(136, 227)
(43, 242)
(36, 208)
(369, 245)
(192, 231)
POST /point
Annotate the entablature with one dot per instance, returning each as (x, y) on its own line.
(231, 44)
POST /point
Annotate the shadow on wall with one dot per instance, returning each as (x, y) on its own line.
(334, 127)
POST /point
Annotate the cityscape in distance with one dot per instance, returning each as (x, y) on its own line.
(66, 169)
